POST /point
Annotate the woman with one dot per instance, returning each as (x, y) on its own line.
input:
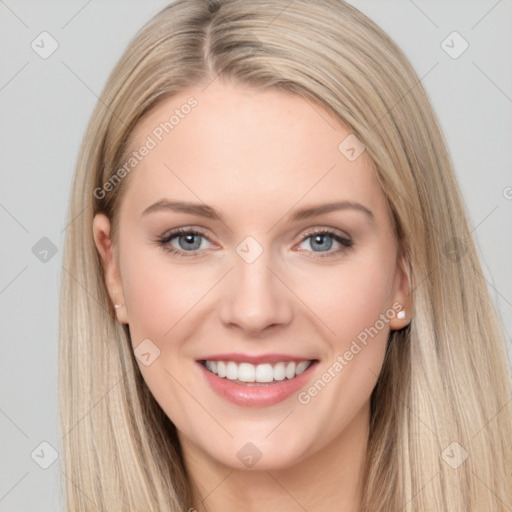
(272, 300)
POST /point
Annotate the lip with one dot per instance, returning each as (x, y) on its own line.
(262, 395)
(255, 359)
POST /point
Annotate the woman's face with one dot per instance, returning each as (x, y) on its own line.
(270, 278)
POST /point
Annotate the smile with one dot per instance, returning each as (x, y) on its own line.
(247, 373)
(266, 384)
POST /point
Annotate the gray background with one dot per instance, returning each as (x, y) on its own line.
(46, 103)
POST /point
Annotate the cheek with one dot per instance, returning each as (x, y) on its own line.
(349, 298)
(352, 301)
(160, 294)
(163, 301)
(354, 304)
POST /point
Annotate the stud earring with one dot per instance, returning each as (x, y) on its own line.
(401, 314)
(116, 306)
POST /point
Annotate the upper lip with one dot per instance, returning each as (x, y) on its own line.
(255, 359)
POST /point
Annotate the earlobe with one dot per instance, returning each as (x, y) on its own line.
(402, 303)
(113, 283)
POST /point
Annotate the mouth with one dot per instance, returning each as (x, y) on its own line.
(273, 389)
(256, 380)
(263, 374)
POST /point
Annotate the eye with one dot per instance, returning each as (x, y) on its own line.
(323, 240)
(187, 240)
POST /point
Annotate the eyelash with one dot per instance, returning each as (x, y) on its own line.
(163, 241)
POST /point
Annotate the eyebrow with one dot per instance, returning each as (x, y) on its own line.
(204, 210)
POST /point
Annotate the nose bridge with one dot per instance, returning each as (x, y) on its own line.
(256, 298)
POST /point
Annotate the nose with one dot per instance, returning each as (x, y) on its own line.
(254, 297)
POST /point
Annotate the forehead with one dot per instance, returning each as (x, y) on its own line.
(240, 148)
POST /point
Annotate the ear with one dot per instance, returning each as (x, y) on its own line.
(401, 296)
(101, 232)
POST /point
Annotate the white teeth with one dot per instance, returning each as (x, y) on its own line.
(279, 371)
(301, 367)
(247, 372)
(264, 373)
(290, 371)
(231, 371)
(221, 368)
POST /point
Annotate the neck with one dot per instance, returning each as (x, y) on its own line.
(329, 479)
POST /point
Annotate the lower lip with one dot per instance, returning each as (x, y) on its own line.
(258, 395)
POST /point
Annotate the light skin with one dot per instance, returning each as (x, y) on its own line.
(256, 158)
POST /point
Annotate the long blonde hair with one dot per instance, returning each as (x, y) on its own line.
(444, 391)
